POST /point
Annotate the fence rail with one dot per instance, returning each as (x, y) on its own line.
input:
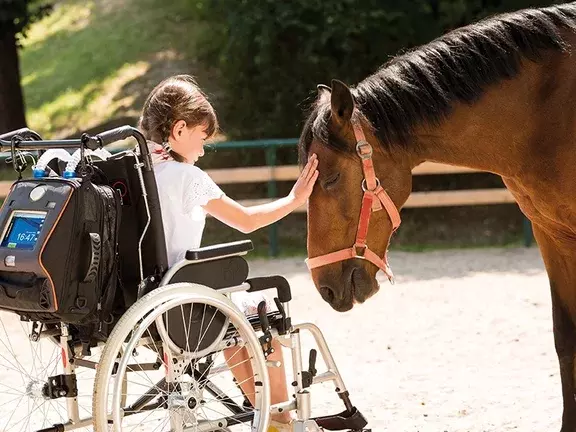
(273, 173)
(416, 199)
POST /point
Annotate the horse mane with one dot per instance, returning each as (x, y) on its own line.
(422, 84)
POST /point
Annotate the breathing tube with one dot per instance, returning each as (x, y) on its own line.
(70, 170)
(72, 160)
(39, 170)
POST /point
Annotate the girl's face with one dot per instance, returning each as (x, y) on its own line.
(188, 142)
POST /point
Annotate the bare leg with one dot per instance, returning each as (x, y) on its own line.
(242, 371)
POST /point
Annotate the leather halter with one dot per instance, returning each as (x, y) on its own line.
(374, 199)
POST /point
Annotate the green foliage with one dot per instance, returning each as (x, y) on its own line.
(273, 53)
(91, 63)
(17, 15)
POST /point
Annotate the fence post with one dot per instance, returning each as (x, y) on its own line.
(272, 192)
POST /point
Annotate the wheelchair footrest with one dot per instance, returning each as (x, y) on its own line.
(346, 420)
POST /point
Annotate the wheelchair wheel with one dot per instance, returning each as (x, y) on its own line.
(39, 388)
(158, 372)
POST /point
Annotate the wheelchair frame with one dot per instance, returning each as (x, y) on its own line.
(272, 325)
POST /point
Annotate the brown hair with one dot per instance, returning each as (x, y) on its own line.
(176, 98)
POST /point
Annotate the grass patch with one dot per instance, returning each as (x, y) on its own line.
(93, 61)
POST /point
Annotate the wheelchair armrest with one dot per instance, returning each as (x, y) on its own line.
(219, 250)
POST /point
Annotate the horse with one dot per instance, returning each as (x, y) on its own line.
(498, 95)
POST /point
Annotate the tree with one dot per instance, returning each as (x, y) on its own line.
(271, 54)
(15, 17)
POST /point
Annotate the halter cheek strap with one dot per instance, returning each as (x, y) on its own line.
(374, 199)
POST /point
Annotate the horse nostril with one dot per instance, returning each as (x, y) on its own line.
(327, 294)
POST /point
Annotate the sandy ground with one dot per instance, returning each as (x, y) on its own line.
(462, 342)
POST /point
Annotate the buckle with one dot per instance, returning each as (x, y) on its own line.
(359, 146)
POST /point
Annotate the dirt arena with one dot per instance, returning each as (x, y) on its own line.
(462, 342)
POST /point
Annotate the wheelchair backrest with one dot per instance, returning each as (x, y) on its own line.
(120, 173)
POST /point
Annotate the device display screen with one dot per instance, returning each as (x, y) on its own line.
(23, 230)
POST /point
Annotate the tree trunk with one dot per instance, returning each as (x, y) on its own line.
(12, 114)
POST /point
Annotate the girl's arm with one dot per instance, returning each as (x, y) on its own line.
(248, 219)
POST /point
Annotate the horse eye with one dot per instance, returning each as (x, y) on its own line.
(331, 181)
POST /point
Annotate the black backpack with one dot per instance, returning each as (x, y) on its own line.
(59, 250)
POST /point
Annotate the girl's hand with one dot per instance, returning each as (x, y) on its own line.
(249, 219)
(303, 187)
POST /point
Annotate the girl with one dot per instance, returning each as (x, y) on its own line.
(177, 119)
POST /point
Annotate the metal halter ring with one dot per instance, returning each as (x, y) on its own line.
(365, 187)
(360, 251)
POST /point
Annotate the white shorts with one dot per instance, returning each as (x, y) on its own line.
(248, 302)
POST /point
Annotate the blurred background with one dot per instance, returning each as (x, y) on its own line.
(70, 66)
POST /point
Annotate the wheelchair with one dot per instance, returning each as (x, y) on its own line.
(173, 353)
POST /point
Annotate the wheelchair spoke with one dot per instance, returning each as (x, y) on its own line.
(213, 410)
(130, 369)
(25, 405)
(34, 355)
(52, 365)
(28, 416)
(220, 401)
(211, 364)
(11, 351)
(11, 401)
(164, 422)
(186, 328)
(157, 351)
(14, 411)
(185, 392)
(218, 368)
(16, 367)
(11, 388)
(207, 327)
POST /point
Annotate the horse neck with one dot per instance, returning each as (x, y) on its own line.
(493, 134)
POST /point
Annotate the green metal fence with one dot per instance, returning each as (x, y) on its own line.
(270, 146)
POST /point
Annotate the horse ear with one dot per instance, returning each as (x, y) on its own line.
(342, 102)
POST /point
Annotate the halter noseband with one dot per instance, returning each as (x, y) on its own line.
(375, 198)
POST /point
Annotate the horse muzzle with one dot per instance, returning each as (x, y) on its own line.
(350, 286)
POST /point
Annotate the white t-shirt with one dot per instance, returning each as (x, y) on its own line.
(183, 188)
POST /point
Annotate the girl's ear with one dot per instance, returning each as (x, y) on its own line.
(178, 128)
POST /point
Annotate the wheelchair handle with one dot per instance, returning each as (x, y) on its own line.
(86, 141)
(113, 135)
(123, 132)
(6, 145)
(23, 132)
